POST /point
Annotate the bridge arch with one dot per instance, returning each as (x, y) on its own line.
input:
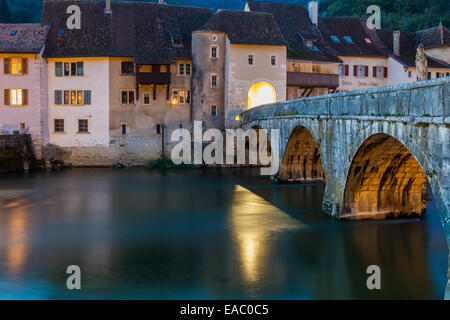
(384, 180)
(302, 158)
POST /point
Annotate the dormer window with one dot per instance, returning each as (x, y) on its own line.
(348, 39)
(335, 39)
(309, 44)
(177, 41)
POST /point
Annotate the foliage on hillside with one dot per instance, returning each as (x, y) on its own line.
(407, 15)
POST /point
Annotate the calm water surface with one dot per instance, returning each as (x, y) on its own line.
(202, 234)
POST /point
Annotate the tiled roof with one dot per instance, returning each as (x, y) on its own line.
(356, 29)
(149, 32)
(409, 41)
(434, 36)
(296, 27)
(23, 38)
(244, 27)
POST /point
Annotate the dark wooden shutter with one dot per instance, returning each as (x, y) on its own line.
(355, 71)
(385, 72)
(347, 71)
(374, 72)
(24, 66)
(58, 96)
(7, 98)
(366, 71)
(7, 66)
(87, 96)
(58, 69)
(25, 97)
(80, 68)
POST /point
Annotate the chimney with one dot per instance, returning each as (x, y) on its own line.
(107, 6)
(313, 9)
(396, 44)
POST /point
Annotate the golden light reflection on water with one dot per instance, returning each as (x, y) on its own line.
(17, 241)
(255, 223)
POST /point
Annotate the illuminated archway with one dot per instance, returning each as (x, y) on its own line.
(261, 93)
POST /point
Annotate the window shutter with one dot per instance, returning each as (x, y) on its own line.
(385, 72)
(366, 69)
(24, 66)
(355, 71)
(58, 69)
(58, 96)
(7, 97)
(347, 72)
(87, 96)
(25, 97)
(374, 72)
(7, 66)
(80, 69)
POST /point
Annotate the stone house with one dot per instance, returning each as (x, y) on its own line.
(239, 63)
(312, 70)
(23, 82)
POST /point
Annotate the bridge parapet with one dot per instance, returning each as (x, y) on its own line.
(424, 101)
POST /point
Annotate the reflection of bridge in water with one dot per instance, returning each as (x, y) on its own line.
(377, 149)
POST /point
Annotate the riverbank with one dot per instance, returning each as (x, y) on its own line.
(16, 153)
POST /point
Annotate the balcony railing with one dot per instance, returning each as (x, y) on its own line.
(153, 77)
(309, 80)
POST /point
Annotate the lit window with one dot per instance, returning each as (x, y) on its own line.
(16, 66)
(213, 111)
(22, 126)
(367, 40)
(182, 96)
(83, 126)
(335, 38)
(316, 68)
(250, 59)
(16, 97)
(348, 39)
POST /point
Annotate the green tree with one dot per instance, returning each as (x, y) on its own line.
(5, 12)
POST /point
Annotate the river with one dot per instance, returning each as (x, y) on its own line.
(202, 234)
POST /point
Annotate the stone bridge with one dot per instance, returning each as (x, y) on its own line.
(377, 149)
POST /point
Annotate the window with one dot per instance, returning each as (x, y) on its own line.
(273, 60)
(348, 39)
(124, 128)
(344, 70)
(250, 59)
(59, 125)
(146, 98)
(447, 74)
(213, 111)
(16, 97)
(214, 52)
(409, 74)
(72, 97)
(83, 126)
(22, 126)
(182, 96)
(214, 81)
(335, 38)
(378, 72)
(214, 37)
(69, 69)
(127, 97)
(184, 69)
(429, 75)
(316, 68)
(158, 129)
(127, 67)
(309, 44)
(16, 66)
(360, 71)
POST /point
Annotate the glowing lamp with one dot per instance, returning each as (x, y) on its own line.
(237, 118)
(174, 101)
